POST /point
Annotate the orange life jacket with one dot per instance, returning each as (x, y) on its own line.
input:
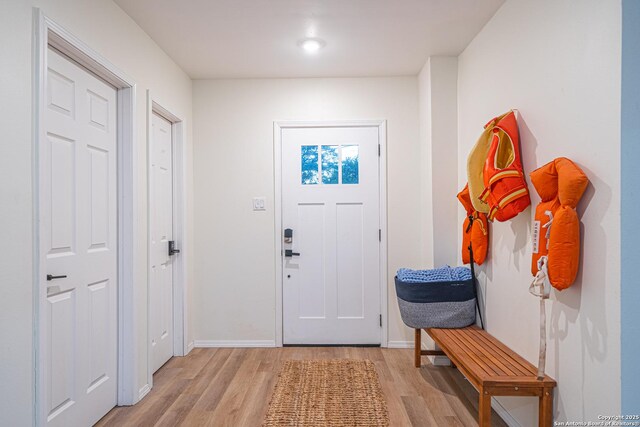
(475, 167)
(505, 189)
(556, 227)
(475, 230)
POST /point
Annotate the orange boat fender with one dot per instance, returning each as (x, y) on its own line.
(475, 230)
(556, 227)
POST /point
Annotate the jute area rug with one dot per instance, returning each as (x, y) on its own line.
(331, 393)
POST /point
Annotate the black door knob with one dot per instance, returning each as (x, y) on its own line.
(289, 253)
(51, 277)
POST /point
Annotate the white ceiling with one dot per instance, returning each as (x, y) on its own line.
(259, 38)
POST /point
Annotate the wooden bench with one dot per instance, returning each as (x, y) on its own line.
(492, 367)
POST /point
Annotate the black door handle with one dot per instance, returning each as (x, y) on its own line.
(172, 248)
(51, 277)
(289, 253)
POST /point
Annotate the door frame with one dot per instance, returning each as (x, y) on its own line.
(278, 126)
(179, 190)
(47, 33)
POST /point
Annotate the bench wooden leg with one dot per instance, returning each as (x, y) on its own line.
(545, 408)
(417, 347)
(484, 409)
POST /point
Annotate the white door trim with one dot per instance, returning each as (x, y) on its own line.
(179, 156)
(47, 33)
(278, 126)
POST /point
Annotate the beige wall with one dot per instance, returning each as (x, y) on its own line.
(109, 31)
(437, 86)
(426, 157)
(558, 63)
(233, 161)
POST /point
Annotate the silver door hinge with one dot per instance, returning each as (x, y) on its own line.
(381, 320)
(379, 234)
(379, 150)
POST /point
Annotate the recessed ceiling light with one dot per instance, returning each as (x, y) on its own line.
(311, 45)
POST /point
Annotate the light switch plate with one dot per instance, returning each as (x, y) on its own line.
(259, 203)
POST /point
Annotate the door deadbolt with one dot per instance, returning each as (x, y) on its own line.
(288, 235)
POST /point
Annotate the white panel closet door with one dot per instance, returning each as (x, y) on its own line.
(330, 199)
(78, 235)
(160, 234)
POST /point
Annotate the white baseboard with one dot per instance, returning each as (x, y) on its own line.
(504, 414)
(143, 392)
(190, 347)
(435, 360)
(400, 344)
(234, 343)
(440, 360)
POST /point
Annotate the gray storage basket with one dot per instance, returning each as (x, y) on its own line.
(450, 304)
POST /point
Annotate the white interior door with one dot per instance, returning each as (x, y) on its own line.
(160, 234)
(79, 241)
(330, 199)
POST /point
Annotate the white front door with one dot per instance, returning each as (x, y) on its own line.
(160, 234)
(78, 235)
(331, 204)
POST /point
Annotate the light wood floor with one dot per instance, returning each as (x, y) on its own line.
(232, 387)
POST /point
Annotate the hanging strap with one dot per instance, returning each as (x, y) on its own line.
(541, 287)
(471, 218)
(542, 355)
(475, 284)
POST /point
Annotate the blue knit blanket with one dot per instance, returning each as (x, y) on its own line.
(442, 274)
